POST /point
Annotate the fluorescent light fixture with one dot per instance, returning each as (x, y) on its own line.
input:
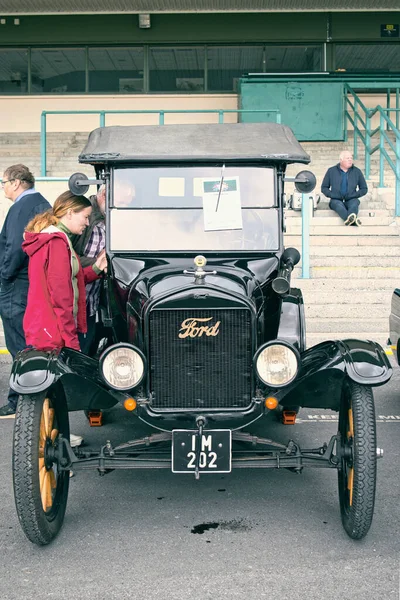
(144, 21)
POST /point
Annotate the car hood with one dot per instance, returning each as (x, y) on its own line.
(152, 280)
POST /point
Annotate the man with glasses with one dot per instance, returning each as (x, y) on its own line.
(18, 186)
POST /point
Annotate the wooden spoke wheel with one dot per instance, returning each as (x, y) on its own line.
(357, 469)
(40, 488)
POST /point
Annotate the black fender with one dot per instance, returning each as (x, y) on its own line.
(35, 371)
(292, 322)
(324, 368)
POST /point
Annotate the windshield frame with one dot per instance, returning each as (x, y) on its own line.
(277, 205)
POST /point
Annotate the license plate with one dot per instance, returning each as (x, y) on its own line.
(215, 451)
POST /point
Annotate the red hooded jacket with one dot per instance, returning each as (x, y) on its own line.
(49, 321)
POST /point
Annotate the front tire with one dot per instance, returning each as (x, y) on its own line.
(357, 468)
(40, 488)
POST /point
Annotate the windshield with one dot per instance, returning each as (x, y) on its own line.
(202, 208)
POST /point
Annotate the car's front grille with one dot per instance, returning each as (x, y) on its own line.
(192, 370)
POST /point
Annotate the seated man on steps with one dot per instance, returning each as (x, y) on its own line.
(344, 184)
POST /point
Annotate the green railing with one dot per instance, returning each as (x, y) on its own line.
(161, 120)
(360, 117)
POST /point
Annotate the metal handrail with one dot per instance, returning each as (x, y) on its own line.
(161, 120)
(385, 124)
(307, 207)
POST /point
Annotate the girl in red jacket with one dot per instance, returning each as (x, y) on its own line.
(56, 308)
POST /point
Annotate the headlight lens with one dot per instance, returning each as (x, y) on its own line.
(277, 365)
(122, 368)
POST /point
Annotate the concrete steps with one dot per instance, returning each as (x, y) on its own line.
(355, 334)
(337, 240)
(334, 230)
(373, 312)
(365, 272)
(353, 262)
(353, 271)
(345, 285)
(328, 213)
(327, 220)
(388, 252)
(340, 326)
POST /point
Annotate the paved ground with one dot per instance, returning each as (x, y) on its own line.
(273, 534)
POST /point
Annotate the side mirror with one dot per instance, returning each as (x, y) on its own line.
(305, 182)
(76, 184)
(290, 255)
(79, 183)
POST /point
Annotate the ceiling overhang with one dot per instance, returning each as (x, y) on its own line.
(69, 7)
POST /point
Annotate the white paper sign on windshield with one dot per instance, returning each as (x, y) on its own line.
(225, 212)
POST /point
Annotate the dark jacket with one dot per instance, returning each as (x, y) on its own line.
(13, 261)
(49, 321)
(356, 184)
(79, 241)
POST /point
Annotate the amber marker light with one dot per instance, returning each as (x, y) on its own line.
(271, 403)
(130, 404)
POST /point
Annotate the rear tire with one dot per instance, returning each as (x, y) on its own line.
(40, 489)
(357, 469)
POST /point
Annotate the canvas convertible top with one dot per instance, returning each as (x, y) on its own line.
(266, 142)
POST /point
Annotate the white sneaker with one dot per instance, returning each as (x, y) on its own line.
(350, 219)
(75, 440)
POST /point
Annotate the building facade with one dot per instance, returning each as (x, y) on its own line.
(175, 54)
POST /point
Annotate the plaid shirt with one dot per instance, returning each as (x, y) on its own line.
(95, 245)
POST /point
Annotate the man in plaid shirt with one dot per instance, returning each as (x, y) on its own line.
(88, 246)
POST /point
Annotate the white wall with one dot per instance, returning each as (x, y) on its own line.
(22, 113)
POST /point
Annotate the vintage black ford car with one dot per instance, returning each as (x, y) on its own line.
(203, 336)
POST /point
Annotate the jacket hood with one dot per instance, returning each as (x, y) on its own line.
(34, 241)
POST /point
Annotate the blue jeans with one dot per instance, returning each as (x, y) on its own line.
(345, 208)
(13, 298)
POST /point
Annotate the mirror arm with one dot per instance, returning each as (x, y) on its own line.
(90, 182)
(296, 179)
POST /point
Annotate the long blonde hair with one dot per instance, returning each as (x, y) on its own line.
(65, 202)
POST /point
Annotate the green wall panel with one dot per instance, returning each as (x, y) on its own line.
(181, 28)
(354, 27)
(174, 28)
(314, 110)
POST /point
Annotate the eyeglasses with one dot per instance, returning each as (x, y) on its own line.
(6, 181)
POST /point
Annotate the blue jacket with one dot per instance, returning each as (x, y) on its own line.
(356, 188)
(13, 260)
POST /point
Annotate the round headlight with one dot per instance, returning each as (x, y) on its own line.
(277, 365)
(122, 367)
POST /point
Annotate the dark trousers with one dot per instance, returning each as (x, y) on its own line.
(13, 298)
(344, 209)
(86, 339)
